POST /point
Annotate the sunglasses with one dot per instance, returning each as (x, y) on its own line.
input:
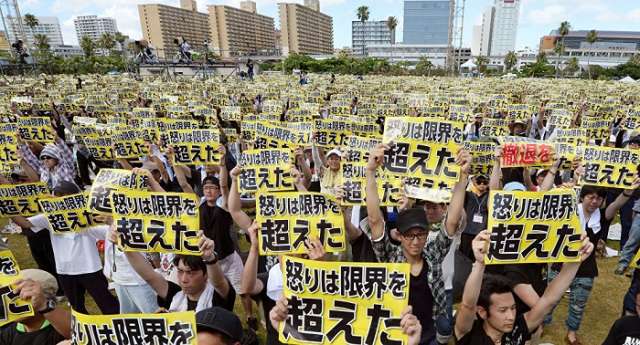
(479, 181)
(45, 158)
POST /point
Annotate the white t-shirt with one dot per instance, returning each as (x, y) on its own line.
(124, 273)
(75, 253)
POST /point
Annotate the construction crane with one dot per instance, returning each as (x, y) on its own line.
(11, 17)
(456, 29)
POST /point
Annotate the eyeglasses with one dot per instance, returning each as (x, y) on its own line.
(482, 182)
(420, 236)
(42, 158)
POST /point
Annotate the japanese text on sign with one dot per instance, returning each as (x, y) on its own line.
(286, 220)
(195, 146)
(608, 167)
(519, 152)
(344, 303)
(21, 199)
(106, 182)
(265, 170)
(533, 227)
(68, 213)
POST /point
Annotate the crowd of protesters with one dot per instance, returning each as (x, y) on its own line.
(453, 295)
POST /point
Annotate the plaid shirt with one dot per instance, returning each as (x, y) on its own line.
(64, 171)
(433, 254)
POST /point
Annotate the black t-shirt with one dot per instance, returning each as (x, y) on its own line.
(530, 274)
(9, 335)
(171, 186)
(476, 205)
(421, 301)
(267, 305)
(217, 301)
(624, 331)
(477, 336)
(216, 224)
(362, 249)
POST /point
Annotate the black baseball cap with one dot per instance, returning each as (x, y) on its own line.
(635, 140)
(212, 180)
(219, 320)
(412, 218)
(66, 188)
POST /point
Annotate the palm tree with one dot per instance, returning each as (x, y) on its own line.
(424, 64)
(510, 60)
(363, 16)
(592, 37)
(120, 38)
(392, 23)
(563, 31)
(31, 21)
(41, 42)
(573, 65)
(107, 42)
(482, 62)
(87, 45)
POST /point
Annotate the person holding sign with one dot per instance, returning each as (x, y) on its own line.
(77, 259)
(593, 221)
(427, 290)
(55, 165)
(409, 322)
(201, 283)
(491, 299)
(50, 323)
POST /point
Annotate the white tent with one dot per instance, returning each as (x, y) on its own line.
(469, 64)
(627, 79)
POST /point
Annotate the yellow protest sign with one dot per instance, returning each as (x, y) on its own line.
(344, 302)
(287, 219)
(608, 167)
(576, 136)
(162, 328)
(494, 127)
(635, 263)
(68, 213)
(423, 149)
(12, 307)
(273, 136)
(461, 113)
(109, 180)
(130, 143)
(519, 112)
(9, 269)
(533, 227)
(265, 171)
(195, 147)
(156, 222)
(522, 152)
(36, 129)
(560, 118)
(354, 183)
(100, 148)
(231, 113)
(482, 155)
(331, 133)
(596, 128)
(21, 199)
(358, 148)
(9, 152)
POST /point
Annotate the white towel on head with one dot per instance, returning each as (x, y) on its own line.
(594, 220)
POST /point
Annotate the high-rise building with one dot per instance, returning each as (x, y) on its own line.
(505, 27)
(370, 32)
(304, 29)
(427, 21)
(161, 24)
(48, 26)
(241, 31)
(476, 40)
(94, 26)
(485, 32)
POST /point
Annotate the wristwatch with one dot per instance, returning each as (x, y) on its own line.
(50, 305)
(213, 261)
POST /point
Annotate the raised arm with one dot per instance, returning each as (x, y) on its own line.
(526, 178)
(466, 314)
(318, 161)
(374, 214)
(557, 287)
(622, 198)
(548, 182)
(235, 206)
(303, 166)
(60, 318)
(178, 171)
(214, 271)
(495, 181)
(154, 186)
(250, 285)
(224, 177)
(146, 272)
(353, 232)
(456, 206)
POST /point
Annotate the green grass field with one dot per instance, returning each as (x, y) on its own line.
(604, 307)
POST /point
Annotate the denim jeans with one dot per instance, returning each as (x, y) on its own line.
(444, 322)
(136, 299)
(631, 247)
(630, 297)
(578, 297)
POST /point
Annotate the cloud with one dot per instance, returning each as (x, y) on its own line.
(548, 15)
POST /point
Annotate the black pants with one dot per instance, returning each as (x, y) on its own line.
(96, 284)
(42, 252)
